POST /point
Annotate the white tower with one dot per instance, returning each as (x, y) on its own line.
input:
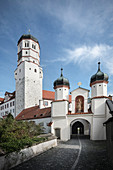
(98, 86)
(61, 86)
(28, 75)
(60, 108)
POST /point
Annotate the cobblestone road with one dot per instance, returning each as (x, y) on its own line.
(67, 156)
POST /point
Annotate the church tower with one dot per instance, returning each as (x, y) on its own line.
(29, 74)
(60, 108)
(98, 84)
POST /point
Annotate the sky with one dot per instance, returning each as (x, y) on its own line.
(73, 34)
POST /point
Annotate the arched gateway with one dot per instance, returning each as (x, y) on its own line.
(80, 127)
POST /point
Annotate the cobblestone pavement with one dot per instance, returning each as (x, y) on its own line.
(93, 156)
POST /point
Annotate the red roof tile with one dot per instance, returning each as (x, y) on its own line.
(1, 99)
(50, 95)
(34, 113)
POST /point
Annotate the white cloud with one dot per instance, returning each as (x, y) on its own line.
(88, 55)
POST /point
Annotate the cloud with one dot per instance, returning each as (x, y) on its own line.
(86, 56)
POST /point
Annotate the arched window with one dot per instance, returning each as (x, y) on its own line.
(35, 70)
(79, 104)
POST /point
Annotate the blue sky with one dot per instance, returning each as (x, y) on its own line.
(72, 34)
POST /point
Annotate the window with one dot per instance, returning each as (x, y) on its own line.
(10, 104)
(26, 44)
(29, 68)
(13, 103)
(99, 85)
(33, 46)
(59, 89)
(94, 86)
(7, 105)
(33, 61)
(26, 52)
(35, 70)
(13, 110)
(19, 70)
(15, 73)
(45, 103)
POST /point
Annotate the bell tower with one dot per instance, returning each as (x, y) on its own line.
(98, 84)
(29, 74)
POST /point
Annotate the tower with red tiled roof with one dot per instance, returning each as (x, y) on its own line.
(29, 74)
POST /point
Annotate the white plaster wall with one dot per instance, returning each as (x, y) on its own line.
(33, 84)
(98, 106)
(99, 89)
(61, 123)
(83, 93)
(59, 109)
(28, 85)
(62, 93)
(99, 131)
(20, 88)
(44, 122)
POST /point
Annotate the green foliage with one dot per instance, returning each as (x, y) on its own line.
(16, 135)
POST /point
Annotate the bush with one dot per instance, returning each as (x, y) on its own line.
(16, 135)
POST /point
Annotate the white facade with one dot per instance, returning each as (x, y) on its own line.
(99, 89)
(7, 107)
(28, 75)
(62, 93)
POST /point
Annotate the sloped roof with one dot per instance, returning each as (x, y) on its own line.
(1, 99)
(110, 105)
(49, 95)
(80, 88)
(34, 113)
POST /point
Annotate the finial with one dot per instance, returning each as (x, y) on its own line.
(29, 31)
(61, 72)
(98, 66)
(79, 84)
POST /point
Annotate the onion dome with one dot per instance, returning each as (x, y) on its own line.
(99, 75)
(61, 81)
(27, 36)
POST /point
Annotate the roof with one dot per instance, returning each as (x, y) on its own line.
(1, 99)
(110, 105)
(34, 113)
(109, 120)
(81, 88)
(27, 36)
(49, 95)
(61, 81)
(99, 75)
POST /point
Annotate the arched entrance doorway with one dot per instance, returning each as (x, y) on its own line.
(78, 128)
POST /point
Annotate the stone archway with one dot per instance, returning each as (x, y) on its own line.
(77, 128)
(80, 127)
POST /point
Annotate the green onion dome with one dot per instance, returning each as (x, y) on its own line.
(99, 75)
(61, 81)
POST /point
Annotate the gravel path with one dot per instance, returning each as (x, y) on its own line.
(67, 156)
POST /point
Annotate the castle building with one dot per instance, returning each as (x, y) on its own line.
(62, 114)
